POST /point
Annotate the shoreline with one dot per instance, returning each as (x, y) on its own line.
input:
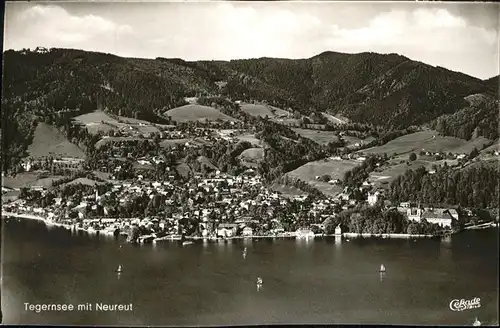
(194, 238)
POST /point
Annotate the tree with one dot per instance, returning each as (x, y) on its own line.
(413, 157)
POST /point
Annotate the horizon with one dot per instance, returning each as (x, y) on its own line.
(459, 37)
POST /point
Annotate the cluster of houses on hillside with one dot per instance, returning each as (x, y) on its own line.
(31, 164)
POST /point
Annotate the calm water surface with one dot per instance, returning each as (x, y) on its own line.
(323, 281)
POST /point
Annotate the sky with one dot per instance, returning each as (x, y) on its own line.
(462, 37)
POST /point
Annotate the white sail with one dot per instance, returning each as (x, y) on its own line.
(382, 268)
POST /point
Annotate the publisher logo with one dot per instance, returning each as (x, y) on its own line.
(462, 305)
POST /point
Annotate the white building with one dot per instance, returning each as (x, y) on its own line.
(247, 231)
(304, 233)
(373, 198)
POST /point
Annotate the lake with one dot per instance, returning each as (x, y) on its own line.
(326, 280)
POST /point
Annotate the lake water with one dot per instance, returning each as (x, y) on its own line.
(321, 281)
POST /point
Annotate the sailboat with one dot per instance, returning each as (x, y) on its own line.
(477, 323)
(382, 268)
(119, 270)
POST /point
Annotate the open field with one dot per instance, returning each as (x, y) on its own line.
(29, 179)
(252, 155)
(416, 142)
(20, 180)
(98, 121)
(321, 137)
(197, 112)
(335, 169)
(250, 137)
(387, 173)
(477, 143)
(264, 110)
(47, 140)
(257, 110)
(96, 116)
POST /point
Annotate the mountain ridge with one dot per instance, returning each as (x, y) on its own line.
(385, 90)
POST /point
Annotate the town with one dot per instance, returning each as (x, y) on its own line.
(150, 201)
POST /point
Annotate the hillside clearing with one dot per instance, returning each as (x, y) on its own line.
(250, 138)
(196, 113)
(98, 121)
(48, 141)
(321, 137)
(336, 170)
(477, 143)
(257, 110)
(252, 155)
(419, 141)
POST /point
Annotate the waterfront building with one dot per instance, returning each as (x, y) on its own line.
(304, 233)
(247, 231)
(441, 216)
(338, 230)
(227, 230)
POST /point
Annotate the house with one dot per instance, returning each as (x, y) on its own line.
(247, 231)
(227, 230)
(405, 204)
(27, 166)
(414, 214)
(461, 156)
(338, 230)
(304, 233)
(37, 188)
(442, 217)
(373, 198)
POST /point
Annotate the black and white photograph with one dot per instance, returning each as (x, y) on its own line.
(234, 163)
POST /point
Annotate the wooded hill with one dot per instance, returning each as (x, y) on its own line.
(390, 91)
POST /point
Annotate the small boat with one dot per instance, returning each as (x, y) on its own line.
(382, 268)
(477, 323)
(259, 281)
(184, 243)
(119, 270)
